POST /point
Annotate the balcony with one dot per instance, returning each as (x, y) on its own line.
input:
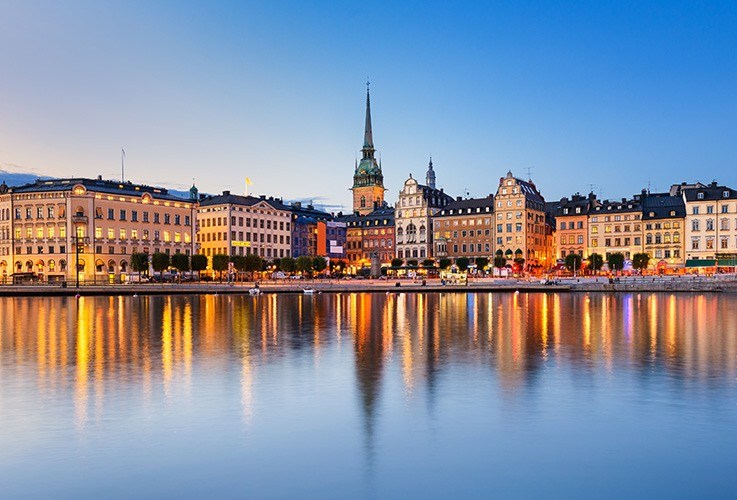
(79, 218)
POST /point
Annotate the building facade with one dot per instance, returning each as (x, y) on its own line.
(571, 216)
(415, 208)
(309, 231)
(369, 239)
(711, 226)
(231, 224)
(616, 227)
(53, 226)
(465, 228)
(520, 223)
(663, 222)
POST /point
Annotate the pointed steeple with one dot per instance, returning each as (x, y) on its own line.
(430, 176)
(368, 137)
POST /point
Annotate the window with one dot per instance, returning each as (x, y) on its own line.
(700, 196)
(695, 210)
(110, 214)
(694, 225)
(156, 218)
(122, 214)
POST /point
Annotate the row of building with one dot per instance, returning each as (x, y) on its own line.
(53, 226)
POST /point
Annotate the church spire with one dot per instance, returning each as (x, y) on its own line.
(368, 137)
(430, 176)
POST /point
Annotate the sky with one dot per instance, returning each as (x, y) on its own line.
(610, 96)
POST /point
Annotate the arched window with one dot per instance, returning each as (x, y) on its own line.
(422, 234)
(63, 265)
(111, 266)
(400, 235)
(363, 202)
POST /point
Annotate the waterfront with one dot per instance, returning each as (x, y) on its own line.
(369, 395)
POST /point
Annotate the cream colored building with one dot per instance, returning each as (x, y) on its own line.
(50, 226)
(231, 224)
(711, 226)
(416, 206)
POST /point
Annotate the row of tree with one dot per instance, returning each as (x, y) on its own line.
(161, 262)
(462, 263)
(615, 261)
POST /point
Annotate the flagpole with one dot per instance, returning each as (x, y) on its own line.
(122, 165)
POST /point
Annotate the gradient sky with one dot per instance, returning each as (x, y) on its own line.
(617, 95)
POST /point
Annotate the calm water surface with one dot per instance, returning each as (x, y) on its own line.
(361, 395)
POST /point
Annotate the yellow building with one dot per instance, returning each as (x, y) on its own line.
(231, 224)
(50, 226)
(520, 224)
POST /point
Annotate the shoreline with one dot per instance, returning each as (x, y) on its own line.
(481, 285)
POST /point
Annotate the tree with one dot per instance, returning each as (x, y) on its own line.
(304, 264)
(444, 263)
(319, 264)
(220, 263)
(396, 262)
(500, 261)
(139, 262)
(252, 263)
(337, 266)
(160, 262)
(596, 261)
(239, 262)
(180, 261)
(462, 263)
(573, 262)
(199, 262)
(482, 262)
(288, 264)
(277, 264)
(412, 263)
(640, 261)
(616, 261)
(428, 263)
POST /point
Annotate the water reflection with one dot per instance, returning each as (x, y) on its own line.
(100, 351)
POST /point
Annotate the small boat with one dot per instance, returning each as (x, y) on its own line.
(309, 290)
(254, 291)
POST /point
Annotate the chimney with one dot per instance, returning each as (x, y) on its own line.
(226, 193)
(459, 198)
(99, 177)
(263, 196)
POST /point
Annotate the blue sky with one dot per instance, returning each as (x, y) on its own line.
(617, 95)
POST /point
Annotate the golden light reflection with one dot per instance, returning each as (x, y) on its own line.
(412, 338)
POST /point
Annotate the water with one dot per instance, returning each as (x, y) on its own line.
(369, 396)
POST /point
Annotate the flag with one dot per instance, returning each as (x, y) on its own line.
(248, 181)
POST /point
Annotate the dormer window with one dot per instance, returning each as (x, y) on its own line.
(565, 211)
(700, 196)
(672, 213)
(652, 214)
(578, 210)
(725, 194)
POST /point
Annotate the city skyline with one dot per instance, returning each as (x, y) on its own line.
(616, 97)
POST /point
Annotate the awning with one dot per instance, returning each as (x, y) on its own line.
(727, 262)
(701, 263)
